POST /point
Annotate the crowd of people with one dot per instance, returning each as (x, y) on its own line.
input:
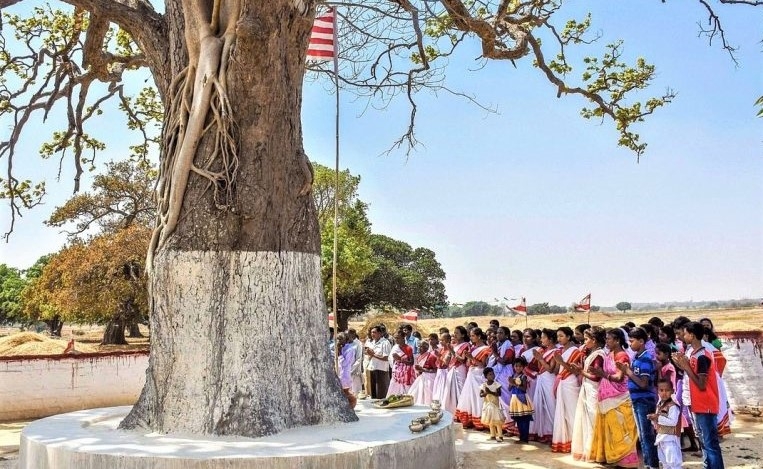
(596, 393)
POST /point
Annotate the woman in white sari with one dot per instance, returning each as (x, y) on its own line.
(588, 399)
(454, 381)
(469, 409)
(567, 391)
(426, 367)
(544, 397)
(444, 356)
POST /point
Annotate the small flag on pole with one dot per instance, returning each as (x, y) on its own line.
(585, 304)
(323, 37)
(521, 308)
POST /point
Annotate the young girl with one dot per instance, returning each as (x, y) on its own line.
(667, 422)
(667, 369)
(520, 407)
(492, 416)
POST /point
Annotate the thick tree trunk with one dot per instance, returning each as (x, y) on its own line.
(135, 330)
(114, 334)
(55, 325)
(237, 311)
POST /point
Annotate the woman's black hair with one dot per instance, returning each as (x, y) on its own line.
(656, 322)
(582, 327)
(550, 334)
(711, 336)
(566, 331)
(651, 331)
(664, 348)
(712, 327)
(670, 332)
(520, 361)
(479, 333)
(597, 333)
(463, 332)
(618, 333)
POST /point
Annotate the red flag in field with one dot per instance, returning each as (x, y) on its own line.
(323, 37)
(521, 308)
(585, 304)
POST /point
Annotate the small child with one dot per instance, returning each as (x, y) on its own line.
(492, 416)
(667, 370)
(667, 422)
(520, 407)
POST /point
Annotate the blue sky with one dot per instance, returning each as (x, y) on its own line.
(537, 202)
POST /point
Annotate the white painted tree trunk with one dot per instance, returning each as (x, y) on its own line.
(239, 352)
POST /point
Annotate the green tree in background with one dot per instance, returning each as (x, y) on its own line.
(11, 285)
(623, 306)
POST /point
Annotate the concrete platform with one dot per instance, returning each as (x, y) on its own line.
(380, 440)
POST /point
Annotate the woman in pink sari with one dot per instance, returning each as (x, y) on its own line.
(615, 432)
(454, 381)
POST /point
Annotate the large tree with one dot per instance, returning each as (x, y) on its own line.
(235, 256)
(99, 281)
(11, 285)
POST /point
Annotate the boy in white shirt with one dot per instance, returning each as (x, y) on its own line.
(667, 420)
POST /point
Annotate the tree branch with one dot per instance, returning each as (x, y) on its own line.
(147, 28)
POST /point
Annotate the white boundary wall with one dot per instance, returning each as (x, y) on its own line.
(33, 387)
(743, 373)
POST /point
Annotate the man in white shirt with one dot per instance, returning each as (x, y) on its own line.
(378, 352)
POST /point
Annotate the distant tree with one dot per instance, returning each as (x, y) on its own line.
(476, 308)
(11, 285)
(623, 306)
(538, 308)
(34, 305)
(595, 308)
(121, 196)
(402, 278)
(102, 281)
(554, 309)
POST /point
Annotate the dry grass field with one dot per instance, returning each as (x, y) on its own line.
(724, 320)
(88, 338)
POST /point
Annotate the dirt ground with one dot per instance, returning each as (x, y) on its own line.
(743, 449)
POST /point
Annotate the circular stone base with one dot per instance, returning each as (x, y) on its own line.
(379, 440)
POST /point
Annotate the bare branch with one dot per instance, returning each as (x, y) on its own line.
(716, 29)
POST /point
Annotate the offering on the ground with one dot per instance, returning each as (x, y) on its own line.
(394, 401)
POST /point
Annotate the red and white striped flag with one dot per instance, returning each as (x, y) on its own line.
(521, 308)
(585, 304)
(323, 37)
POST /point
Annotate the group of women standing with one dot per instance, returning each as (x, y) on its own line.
(576, 383)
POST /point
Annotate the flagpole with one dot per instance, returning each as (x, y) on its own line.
(588, 321)
(336, 196)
